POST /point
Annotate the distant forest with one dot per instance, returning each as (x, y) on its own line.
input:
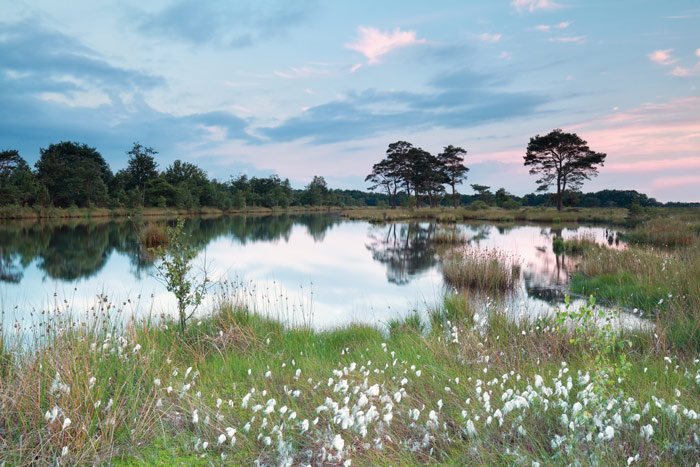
(70, 174)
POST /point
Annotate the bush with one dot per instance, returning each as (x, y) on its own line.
(478, 206)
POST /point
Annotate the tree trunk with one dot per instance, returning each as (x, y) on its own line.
(454, 197)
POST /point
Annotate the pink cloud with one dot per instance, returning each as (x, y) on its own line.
(373, 43)
(532, 5)
(680, 72)
(672, 182)
(662, 57)
(652, 137)
(697, 52)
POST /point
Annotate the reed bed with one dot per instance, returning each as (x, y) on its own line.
(449, 237)
(665, 232)
(481, 269)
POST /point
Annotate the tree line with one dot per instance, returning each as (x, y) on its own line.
(71, 174)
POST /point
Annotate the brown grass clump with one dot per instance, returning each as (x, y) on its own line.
(487, 270)
(153, 236)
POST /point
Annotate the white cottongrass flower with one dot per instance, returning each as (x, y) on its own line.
(222, 438)
(608, 434)
(64, 451)
(195, 416)
(156, 381)
(338, 443)
(647, 431)
(471, 429)
(66, 423)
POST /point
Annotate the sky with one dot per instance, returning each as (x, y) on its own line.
(308, 88)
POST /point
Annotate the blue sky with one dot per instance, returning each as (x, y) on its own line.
(309, 88)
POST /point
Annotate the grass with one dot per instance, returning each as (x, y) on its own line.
(35, 213)
(449, 237)
(153, 235)
(241, 389)
(574, 246)
(659, 276)
(478, 269)
(492, 214)
(664, 232)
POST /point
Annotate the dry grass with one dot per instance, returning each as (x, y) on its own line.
(481, 269)
(153, 235)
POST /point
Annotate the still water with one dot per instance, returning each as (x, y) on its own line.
(315, 269)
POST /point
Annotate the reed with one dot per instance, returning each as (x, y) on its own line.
(486, 270)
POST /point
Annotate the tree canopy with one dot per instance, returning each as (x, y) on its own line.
(563, 160)
(73, 174)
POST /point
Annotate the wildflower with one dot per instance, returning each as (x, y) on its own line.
(338, 443)
(64, 451)
(471, 430)
(66, 423)
(647, 431)
(195, 417)
(222, 438)
(609, 433)
(156, 381)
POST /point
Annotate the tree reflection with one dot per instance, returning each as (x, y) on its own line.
(405, 249)
(79, 249)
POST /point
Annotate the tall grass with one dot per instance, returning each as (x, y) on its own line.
(481, 269)
(664, 232)
(242, 389)
(660, 282)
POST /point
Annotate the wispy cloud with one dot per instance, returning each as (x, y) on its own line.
(301, 72)
(505, 55)
(461, 99)
(548, 28)
(571, 39)
(492, 38)
(662, 57)
(373, 43)
(233, 24)
(533, 5)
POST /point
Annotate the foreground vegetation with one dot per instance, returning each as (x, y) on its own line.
(657, 275)
(452, 387)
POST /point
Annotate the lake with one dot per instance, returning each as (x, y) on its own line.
(319, 270)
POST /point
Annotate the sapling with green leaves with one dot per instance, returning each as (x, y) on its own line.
(174, 269)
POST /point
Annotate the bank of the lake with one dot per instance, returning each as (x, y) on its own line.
(455, 388)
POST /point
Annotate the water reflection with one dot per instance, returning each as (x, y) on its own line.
(345, 271)
(405, 249)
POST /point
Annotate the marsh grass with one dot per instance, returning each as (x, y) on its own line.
(153, 235)
(669, 232)
(481, 269)
(240, 388)
(659, 276)
(449, 237)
